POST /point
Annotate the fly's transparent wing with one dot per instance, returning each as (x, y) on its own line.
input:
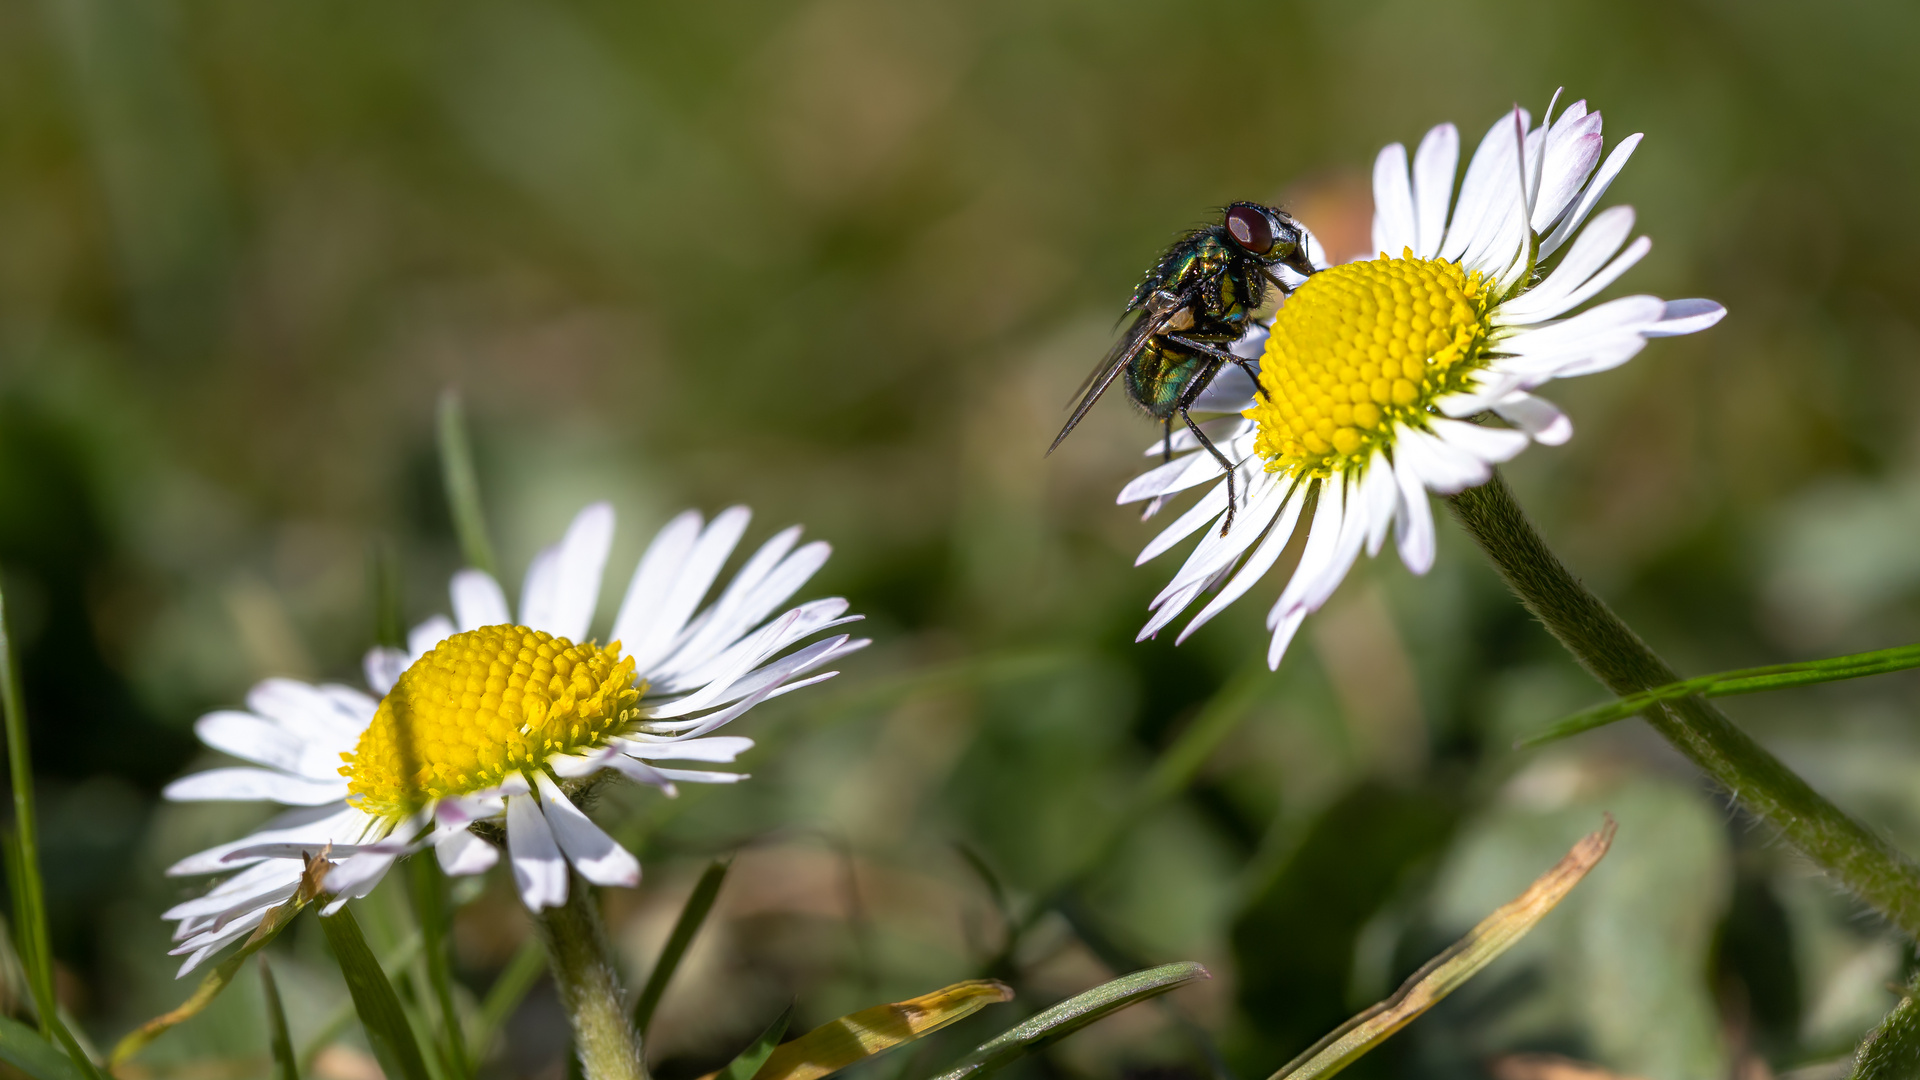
(1109, 368)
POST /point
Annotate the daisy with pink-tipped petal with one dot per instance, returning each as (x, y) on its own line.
(487, 716)
(1387, 378)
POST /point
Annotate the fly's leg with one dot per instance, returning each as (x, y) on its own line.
(1224, 356)
(1167, 453)
(1227, 525)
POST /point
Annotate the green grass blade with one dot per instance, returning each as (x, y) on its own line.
(1729, 683)
(1052, 1025)
(430, 908)
(505, 995)
(383, 580)
(747, 1062)
(23, 865)
(25, 1049)
(284, 1066)
(337, 1020)
(388, 1032)
(1446, 972)
(692, 915)
(463, 485)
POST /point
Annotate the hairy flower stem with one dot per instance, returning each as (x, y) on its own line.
(583, 970)
(1860, 860)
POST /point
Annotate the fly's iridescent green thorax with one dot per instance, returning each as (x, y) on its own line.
(1192, 306)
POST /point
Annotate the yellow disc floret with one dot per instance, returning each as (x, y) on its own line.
(482, 704)
(1359, 347)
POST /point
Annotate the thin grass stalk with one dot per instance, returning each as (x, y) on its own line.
(36, 949)
(463, 485)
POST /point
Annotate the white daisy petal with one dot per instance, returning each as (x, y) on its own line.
(1489, 194)
(1201, 514)
(250, 785)
(592, 852)
(539, 869)
(478, 600)
(1571, 152)
(421, 639)
(1443, 469)
(1215, 553)
(635, 625)
(1433, 168)
(357, 876)
(1631, 313)
(716, 677)
(1686, 317)
(1589, 253)
(1258, 563)
(641, 773)
(1590, 196)
(1183, 473)
(665, 591)
(1382, 497)
(560, 598)
(321, 713)
(1489, 444)
(382, 667)
(1283, 632)
(1413, 518)
(745, 604)
(462, 854)
(1355, 526)
(718, 748)
(337, 822)
(1541, 419)
(1320, 553)
(1393, 215)
(263, 742)
(703, 776)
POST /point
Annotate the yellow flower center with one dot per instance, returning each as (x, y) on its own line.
(483, 704)
(1359, 347)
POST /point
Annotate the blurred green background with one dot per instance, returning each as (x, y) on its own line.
(844, 260)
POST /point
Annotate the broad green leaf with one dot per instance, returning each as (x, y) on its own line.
(462, 482)
(1069, 1016)
(748, 1062)
(692, 915)
(25, 1049)
(217, 979)
(388, 1033)
(1892, 1050)
(1445, 973)
(284, 1066)
(505, 995)
(1728, 683)
(839, 1043)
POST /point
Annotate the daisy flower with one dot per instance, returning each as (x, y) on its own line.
(489, 718)
(1373, 373)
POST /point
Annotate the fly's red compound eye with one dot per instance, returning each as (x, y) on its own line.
(1250, 229)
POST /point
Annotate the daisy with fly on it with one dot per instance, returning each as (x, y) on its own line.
(488, 716)
(1373, 373)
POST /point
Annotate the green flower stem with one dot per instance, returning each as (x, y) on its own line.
(590, 990)
(1860, 860)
